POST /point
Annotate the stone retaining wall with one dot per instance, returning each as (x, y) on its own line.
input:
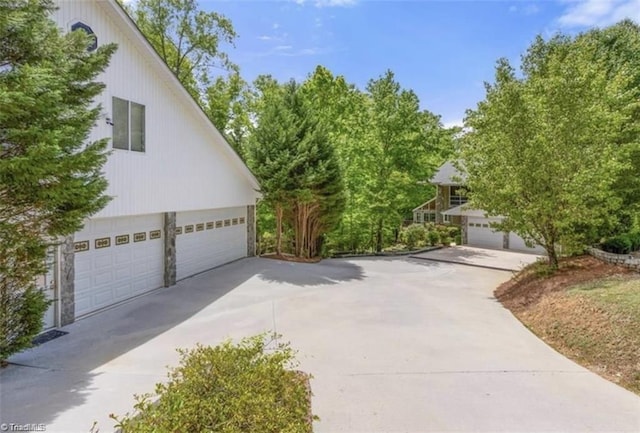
(625, 260)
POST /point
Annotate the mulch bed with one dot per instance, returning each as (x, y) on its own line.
(291, 258)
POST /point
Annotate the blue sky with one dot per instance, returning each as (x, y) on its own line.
(443, 50)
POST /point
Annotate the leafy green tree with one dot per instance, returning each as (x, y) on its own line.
(356, 122)
(50, 177)
(542, 149)
(618, 48)
(187, 38)
(341, 108)
(397, 144)
(227, 105)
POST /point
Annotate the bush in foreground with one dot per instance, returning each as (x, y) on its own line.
(227, 389)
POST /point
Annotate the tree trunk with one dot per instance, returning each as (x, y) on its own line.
(553, 257)
(379, 236)
(279, 212)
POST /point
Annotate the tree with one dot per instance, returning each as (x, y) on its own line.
(187, 38)
(619, 46)
(50, 177)
(227, 105)
(356, 122)
(542, 148)
(292, 157)
(397, 144)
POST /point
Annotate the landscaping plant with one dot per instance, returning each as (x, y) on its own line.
(50, 175)
(229, 388)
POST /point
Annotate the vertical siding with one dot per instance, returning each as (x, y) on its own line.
(184, 167)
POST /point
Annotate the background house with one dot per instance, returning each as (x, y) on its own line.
(183, 201)
(449, 207)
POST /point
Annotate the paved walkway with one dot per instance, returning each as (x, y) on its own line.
(395, 345)
(481, 257)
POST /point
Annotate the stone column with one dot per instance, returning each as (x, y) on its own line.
(66, 280)
(169, 249)
(251, 231)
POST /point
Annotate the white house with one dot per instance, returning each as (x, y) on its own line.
(183, 201)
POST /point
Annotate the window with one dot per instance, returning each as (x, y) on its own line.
(128, 125)
(93, 39)
(456, 196)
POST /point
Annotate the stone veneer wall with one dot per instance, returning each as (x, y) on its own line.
(625, 260)
(251, 230)
(169, 249)
(67, 278)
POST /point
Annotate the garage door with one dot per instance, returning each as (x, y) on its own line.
(209, 238)
(517, 243)
(480, 234)
(116, 259)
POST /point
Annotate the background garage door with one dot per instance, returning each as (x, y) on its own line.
(209, 238)
(480, 234)
(517, 243)
(116, 259)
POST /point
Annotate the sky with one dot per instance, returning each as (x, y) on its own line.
(443, 50)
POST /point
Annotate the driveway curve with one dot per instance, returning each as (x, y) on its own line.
(394, 345)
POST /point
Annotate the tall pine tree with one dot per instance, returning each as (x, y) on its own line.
(296, 164)
(50, 177)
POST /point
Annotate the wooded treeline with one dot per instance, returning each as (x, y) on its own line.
(341, 168)
(556, 148)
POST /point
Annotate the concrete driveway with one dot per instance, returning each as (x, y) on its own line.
(395, 345)
(481, 257)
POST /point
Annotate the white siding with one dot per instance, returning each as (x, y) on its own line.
(185, 166)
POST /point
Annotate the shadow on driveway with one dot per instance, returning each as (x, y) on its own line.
(311, 274)
(44, 382)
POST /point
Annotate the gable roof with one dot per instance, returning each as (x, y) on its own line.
(123, 21)
(448, 174)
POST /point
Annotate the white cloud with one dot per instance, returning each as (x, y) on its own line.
(275, 26)
(283, 47)
(452, 123)
(600, 13)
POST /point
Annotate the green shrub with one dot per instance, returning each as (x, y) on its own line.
(433, 237)
(634, 237)
(266, 243)
(458, 240)
(21, 318)
(228, 389)
(413, 236)
(620, 244)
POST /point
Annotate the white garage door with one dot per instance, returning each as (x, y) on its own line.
(480, 234)
(517, 243)
(116, 259)
(209, 238)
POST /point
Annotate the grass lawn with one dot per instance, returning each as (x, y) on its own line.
(594, 322)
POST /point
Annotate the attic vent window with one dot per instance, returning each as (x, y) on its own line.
(93, 45)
